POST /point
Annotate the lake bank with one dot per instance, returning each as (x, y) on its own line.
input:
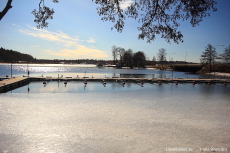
(218, 74)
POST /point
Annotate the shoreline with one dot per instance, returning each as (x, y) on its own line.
(218, 74)
(212, 73)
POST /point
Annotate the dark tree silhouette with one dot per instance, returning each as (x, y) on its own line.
(118, 51)
(115, 54)
(128, 58)
(139, 59)
(161, 55)
(158, 17)
(44, 13)
(6, 9)
(226, 55)
(14, 56)
(209, 56)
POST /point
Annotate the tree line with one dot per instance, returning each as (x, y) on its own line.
(128, 58)
(211, 59)
(9, 56)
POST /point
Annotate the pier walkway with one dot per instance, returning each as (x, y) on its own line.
(147, 80)
(8, 84)
(11, 83)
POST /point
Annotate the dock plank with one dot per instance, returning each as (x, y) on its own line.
(11, 80)
(11, 83)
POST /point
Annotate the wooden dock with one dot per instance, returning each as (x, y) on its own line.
(147, 80)
(8, 84)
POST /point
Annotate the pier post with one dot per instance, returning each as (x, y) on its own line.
(11, 70)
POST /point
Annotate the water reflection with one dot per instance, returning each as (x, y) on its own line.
(91, 71)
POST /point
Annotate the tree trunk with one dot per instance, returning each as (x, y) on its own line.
(210, 66)
(6, 9)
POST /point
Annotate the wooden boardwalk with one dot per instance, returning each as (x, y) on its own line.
(147, 80)
(8, 84)
(12, 83)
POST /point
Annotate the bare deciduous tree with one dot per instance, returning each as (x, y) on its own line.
(161, 55)
(157, 17)
(115, 54)
(118, 51)
(6, 9)
(226, 55)
(209, 56)
(43, 14)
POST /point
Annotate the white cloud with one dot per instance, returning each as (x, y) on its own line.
(51, 36)
(34, 46)
(125, 4)
(80, 51)
(47, 50)
(91, 40)
(71, 44)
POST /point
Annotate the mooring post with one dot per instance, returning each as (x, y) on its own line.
(11, 70)
(28, 72)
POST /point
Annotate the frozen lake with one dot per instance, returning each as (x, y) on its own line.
(116, 119)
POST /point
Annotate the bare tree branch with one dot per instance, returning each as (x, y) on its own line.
(158, 17)
(43, 14)
(6, 9)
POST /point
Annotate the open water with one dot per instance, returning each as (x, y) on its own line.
(74, 118)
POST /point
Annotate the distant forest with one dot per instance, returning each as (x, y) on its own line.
(9, 56)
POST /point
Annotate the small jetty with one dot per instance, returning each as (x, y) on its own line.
(7, 84)
(134, 80)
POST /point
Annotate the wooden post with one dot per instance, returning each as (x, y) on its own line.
(11, 70)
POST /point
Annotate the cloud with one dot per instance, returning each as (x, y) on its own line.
(70, 46)
(15, 25)
(47, 50)
(125, 4)
(34, 46)
(80, 51)
(51, 36)
(91, 40)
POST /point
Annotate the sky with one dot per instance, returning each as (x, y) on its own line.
(77, 32)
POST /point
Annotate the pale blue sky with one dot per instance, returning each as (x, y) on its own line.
(77, 32)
